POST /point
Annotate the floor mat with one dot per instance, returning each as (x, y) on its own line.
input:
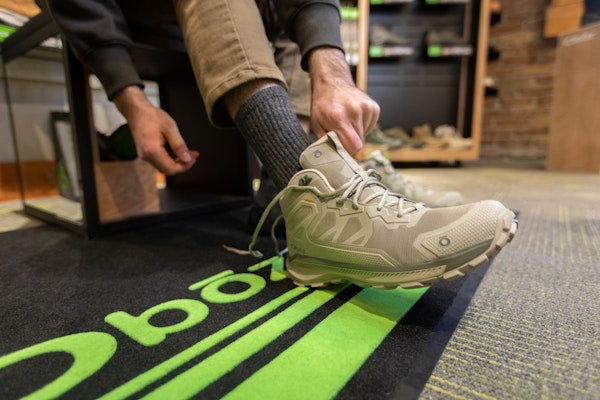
(166, 313)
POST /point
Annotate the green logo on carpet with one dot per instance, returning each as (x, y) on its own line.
(326, 357)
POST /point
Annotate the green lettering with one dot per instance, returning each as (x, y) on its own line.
(277, 268)
(90, 351)
(142, 331)
(212, 293)
(163, 369)
(201, 284)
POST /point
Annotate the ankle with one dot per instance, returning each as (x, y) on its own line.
(238, 96)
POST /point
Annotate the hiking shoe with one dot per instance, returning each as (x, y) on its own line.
(398, 132)
(424, 133)
(343, 224)
(381, 35)
(396, 183)
(445, 38)
(378, 136)
(453, 137)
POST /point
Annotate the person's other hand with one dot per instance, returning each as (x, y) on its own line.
(153, 129)
(337, 104)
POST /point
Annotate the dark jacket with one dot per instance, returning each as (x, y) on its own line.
(100, 31)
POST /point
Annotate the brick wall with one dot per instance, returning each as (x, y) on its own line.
(516, 120)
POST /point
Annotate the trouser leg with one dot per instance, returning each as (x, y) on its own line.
(228, 47)
(233, 61)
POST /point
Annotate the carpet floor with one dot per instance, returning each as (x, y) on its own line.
(164, 312)
(532, 329)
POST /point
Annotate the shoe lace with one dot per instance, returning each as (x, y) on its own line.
(256, 253)
(355, 188)
(352, 190)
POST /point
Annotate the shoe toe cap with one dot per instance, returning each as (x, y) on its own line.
(479, 226)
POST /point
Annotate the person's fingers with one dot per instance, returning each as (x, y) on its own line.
(160, 159)
(195, 154)
(350, 137)
(176, 142)
(370, 115)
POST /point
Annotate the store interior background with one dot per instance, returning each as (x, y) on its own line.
(530, 329)
(517, 123)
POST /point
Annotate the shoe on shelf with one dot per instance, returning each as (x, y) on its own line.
(424, 133)
(394, 181)
(378, 136)
(398, 132)
(453, 137)
(343, 224)
(445, 38)
(381, 35)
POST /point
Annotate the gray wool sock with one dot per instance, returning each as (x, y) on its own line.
(268, 123)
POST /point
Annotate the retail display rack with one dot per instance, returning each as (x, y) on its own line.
(424, 62)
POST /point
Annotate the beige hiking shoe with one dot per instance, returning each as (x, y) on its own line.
(396, 183)
(424, 133)
(453, 137)
(343, 224)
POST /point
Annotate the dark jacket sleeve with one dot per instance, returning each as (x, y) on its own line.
(99, 36)
(311, 24)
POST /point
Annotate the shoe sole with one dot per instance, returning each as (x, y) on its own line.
(305, 274)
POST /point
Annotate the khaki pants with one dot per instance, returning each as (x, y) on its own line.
(230, 43)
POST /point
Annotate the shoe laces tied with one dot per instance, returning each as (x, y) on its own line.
(355, 187)
(353, 190)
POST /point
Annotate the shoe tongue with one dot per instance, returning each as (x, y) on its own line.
(328, 156)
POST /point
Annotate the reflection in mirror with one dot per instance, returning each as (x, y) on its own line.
(44, 143)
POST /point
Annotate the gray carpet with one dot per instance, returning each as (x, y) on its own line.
(532, 330)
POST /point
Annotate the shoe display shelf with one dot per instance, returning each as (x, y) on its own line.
(56, 108)
(428, 68)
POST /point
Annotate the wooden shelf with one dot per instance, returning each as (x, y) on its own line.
(423, 155)
(473, 61)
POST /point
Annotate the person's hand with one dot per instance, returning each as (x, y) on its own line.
(337, 104)
(153, 129)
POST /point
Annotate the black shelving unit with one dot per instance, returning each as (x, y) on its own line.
(205, 188)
